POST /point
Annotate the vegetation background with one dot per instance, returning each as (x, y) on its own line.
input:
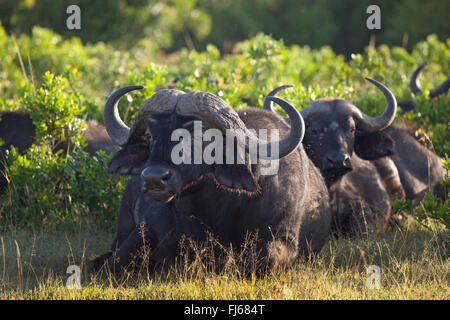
(61, 209)
(174, 24)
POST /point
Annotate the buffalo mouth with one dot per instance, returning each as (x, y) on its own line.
(164, 195)
(334, 174)
(160, 183)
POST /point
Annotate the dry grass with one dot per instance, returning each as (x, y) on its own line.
(414, 265)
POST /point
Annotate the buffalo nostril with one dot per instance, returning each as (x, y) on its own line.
(166, 176)
(347, 161)
(338, 159)
(145, 174)
(155, 176)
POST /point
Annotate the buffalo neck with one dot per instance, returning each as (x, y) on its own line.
(217, 209)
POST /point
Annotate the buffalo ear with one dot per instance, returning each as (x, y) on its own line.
(371, 146)
(129, 160)
(236, 178)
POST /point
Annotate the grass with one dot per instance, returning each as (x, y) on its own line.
(414, 265)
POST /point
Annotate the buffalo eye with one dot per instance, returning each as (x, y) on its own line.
(148, 137)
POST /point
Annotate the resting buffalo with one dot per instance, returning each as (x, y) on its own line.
(334, 129)
(416, 88)
(17, 129)
(412, 169)
(164, 201)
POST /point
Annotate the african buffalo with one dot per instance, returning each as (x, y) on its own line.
(412, 169)
(416, 88)
(419, 169)
(17, 129)
(334, 128)
(164, 202)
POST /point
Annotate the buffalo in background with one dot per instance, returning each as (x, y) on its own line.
(17, 130)
(413, 168)
(163, 202)
(407, 168)
(416, 88)
(333, 140)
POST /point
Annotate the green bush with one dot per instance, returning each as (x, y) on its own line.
(433, 208)
(54, 110)
(49, 188)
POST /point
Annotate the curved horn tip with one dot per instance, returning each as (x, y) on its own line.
(267, 105)
(441, 89)
(388, 116)
(117, 130)
(377, 83)
(131, 87)
(371, 80)
(297, 132)
(386, 91)
(421, 66)
(284, 86)
(279, 88)
(414, 81)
